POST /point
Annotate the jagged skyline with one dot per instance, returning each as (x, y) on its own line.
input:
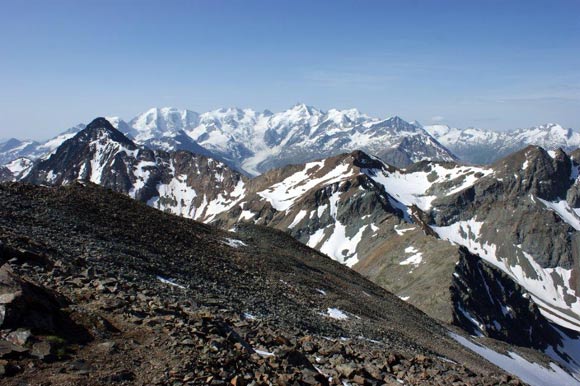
(486, 64)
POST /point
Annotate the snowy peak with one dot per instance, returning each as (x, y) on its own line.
(255, 142)
(102, 130)
(179, 182)
(344, 117)
(550, 135)
(487, 146)
(159, 121)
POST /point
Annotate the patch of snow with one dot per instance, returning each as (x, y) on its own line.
(532, 373)
(299, 216)
(170, 282)
(234, 243)
(415, 259)
(563, 210)
(249, 316)
(335, 313)
(402, 231)
(247, 215)
(264, 353)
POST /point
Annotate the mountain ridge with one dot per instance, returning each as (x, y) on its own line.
(480, 146)
(254, 142)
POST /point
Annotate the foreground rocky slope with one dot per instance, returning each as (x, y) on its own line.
(151, 298)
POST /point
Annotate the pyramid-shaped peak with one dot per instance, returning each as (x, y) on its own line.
(100, 122)
(100, 127)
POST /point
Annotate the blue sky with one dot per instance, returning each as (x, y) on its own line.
(493, 64)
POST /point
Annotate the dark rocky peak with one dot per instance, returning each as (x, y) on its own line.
(533, 170)
(365, 161)
(399, 123)
(99, 129)
(5, 174)
(99, 153)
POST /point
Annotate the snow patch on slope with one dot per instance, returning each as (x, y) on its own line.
(547, 293)
(532, 373)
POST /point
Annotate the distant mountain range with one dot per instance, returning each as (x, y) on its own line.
(254, 142)
(478, 146)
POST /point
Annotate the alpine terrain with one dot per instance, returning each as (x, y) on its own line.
(492, 250)
(97, 288)
(478, 146)
(253, 142)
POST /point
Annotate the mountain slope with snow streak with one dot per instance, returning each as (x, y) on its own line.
(179, 182)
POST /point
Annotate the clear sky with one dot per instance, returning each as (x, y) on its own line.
(485, 63)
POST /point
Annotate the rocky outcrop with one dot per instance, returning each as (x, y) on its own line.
(503, 309)
(5, 174)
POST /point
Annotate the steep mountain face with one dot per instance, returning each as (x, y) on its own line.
(525, 197)
(480, 146)
(179, 182)
(504, 311)
(143, 292)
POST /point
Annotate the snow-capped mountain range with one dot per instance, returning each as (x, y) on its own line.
(254, 142)
(428, 233)
(479, 146)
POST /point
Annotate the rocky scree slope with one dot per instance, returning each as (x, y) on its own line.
(151, 298)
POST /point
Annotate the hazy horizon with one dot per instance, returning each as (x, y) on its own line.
(487, 64)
